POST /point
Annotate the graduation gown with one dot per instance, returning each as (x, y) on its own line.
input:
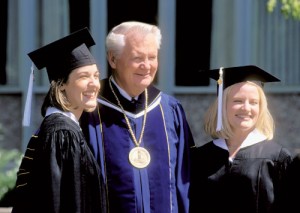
(254, 181)
(294, 184)
(58, 173)
(162, 186)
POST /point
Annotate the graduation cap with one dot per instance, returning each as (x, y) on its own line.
(62, 56)
(232, 75)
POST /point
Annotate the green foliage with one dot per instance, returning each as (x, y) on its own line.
(9, 165)
(289, 8)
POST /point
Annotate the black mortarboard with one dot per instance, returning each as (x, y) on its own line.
(232, 75)
(62, 56)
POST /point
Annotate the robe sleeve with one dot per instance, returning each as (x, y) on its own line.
(183, 162)
(293, 182)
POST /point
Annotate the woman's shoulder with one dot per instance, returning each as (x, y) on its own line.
(205, 149)
(59, 124)
(272, 150)
(297, 156)
(58, 121)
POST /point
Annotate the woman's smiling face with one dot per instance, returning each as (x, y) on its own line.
(82, 88)
(243, 105)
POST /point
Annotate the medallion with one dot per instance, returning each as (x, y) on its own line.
(139, 157)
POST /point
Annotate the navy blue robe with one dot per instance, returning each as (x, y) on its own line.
(162, 186)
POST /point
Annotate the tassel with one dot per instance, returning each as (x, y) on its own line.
(220, 98)
(27, 108)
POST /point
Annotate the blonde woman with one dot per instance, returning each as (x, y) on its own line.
(242, 169)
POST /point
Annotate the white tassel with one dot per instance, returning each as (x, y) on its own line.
(220, 98)
(27, 108)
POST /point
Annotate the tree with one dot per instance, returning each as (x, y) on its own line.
(10, 161)
(289, 8)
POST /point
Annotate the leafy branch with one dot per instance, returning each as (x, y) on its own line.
(9, 165)
(289, 8)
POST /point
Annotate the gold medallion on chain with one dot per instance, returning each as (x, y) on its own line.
(139, 157)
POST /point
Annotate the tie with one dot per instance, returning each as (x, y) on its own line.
(133, 101)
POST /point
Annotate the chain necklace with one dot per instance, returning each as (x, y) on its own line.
(139, 157)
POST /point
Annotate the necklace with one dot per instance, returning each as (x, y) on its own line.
(139, 157)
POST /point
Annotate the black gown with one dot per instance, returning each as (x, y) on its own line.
(255, 181)
(294, 184)
(58, 173)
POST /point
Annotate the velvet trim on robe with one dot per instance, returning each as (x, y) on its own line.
(163, 186)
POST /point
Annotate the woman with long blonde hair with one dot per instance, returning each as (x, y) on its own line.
(242, 169)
